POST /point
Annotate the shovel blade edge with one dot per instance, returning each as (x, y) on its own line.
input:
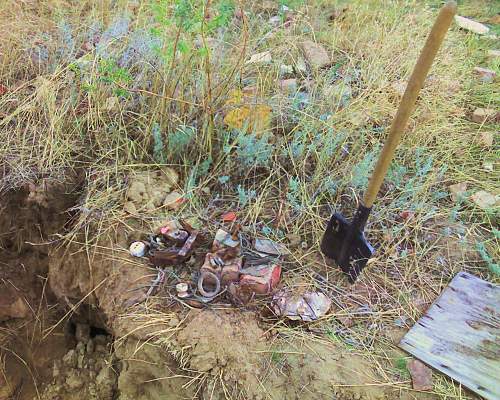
(359, 250)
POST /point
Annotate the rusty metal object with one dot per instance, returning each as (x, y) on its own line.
(213, 279)
(174, 245)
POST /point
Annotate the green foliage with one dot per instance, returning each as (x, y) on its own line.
(244, 197)
(361, 171)
(253, 151)
(110, 73)
(158, 146)
(401, 366)
(293, 194)
(223, 179)
(492, 266)
(179, 140)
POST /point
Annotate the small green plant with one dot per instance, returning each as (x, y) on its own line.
(253, 151)
(179, 140)
(492, 266)
(110, 73)
(361, 171)
(293, 194)
(158, 152)
(401, 366)
(244, 196)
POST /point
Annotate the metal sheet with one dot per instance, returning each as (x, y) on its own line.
(460, 335)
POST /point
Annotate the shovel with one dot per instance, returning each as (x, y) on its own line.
(345, 241)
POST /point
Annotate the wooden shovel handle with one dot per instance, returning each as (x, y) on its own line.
(407, 104)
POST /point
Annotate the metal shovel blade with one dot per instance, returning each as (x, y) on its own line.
(357, 253)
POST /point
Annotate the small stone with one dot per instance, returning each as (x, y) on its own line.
(481, 115)
(90, 346)
(82, 333)
(288, 85)
(486, 75)
(486, 139)
(260, 58)
(493, 53)
(484, 199)
(457, 191)
(70, 359)
(315, 54)
(129, 207)
(174, 322)
(470, 25)
(421, 375)
(74, 381)
(173, 200)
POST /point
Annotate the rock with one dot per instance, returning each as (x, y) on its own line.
(481, 115)
(315, 54)
(493, 53)
(74, 380)
(70, 359)
(486, 139)
(129, 207)
(457, 191)
(260, 58)
(288, 85)
(486, 75)
(90, 346)
(173, 200)
(12, 305)
(470, 25)
(82, 333)
(421, 375)
(484, 199)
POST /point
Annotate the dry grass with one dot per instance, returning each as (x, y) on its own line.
(57, 118)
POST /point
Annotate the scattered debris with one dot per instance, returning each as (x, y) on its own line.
(458, 191)
(269, 247)
(486, 75)
(306, 307)
(260, 58)
(484, 199)
(160, 278)
(457, 335)
(182, 289)
(481, 115)
(421, 375)
(229, 217)
(470, 25)
(138, 249)
(174, 246)
(260, 279)
(315, 54)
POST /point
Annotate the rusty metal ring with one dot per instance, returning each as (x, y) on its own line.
(201, 280)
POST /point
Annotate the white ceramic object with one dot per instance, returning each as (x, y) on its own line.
(137, 249)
